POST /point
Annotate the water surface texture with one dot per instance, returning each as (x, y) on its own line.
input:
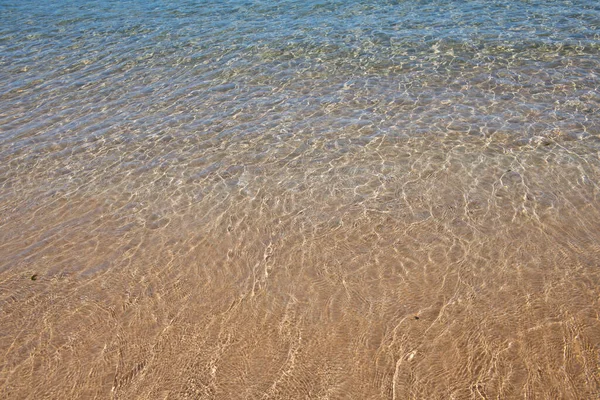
(299, 199)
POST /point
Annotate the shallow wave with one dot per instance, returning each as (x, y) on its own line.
(254, 199)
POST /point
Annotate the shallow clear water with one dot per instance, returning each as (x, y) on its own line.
(300, 199)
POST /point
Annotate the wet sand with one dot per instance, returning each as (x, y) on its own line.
(448, 267)
(300, 200)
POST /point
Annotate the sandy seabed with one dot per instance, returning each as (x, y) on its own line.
(423, 268)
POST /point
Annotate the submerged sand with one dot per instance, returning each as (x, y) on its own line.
(373, 267)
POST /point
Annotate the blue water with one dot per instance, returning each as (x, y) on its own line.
(131, 53)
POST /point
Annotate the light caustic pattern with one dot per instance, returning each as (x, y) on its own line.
(300, 200)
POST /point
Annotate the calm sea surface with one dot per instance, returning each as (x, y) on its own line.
(300, 199)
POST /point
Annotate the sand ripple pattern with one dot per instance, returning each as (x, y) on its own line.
(300, 200)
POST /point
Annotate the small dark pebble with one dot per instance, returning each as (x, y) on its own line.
(34, 277)
(416, 317)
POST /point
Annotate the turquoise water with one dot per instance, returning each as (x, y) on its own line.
(299, 199)
(103, 67)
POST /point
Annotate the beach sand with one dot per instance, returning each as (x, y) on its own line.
(426, 268)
